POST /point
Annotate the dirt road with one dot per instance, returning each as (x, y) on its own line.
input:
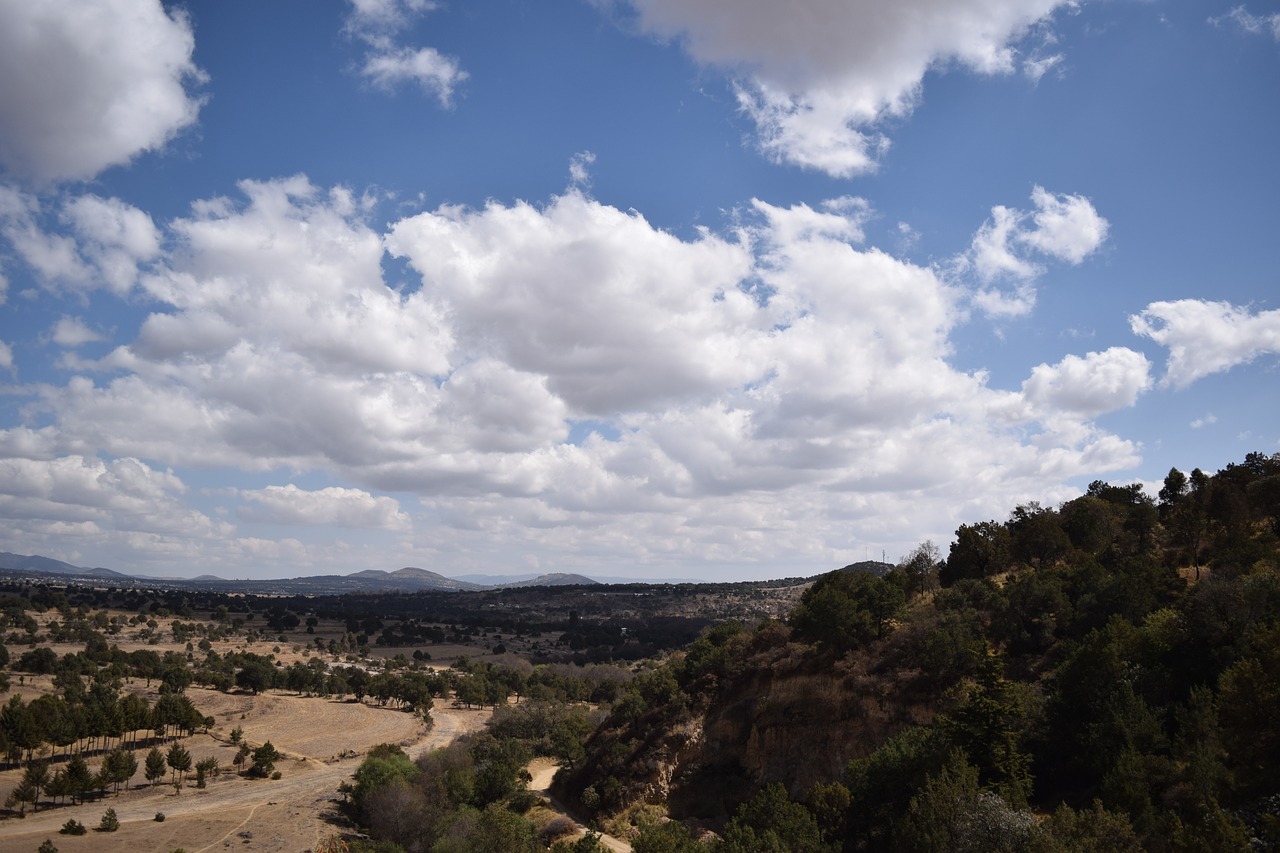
(543, 771)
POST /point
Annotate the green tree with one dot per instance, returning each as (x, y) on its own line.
(979, 551)
(952, 814)
(179, 760)
(264, 760)
(154, 765)
(1248, 696)
(79, 779)
(118, 767)
(73, 827)
(205, 768)
(495, 828)
(1092, 830)
(666, 837)
(109, 822)
(386, 764)
(845, 609)
(256, 675)
(500, 768)
(921, 566)
(989, 726)
(36, 776)
(881, 785)
(24, 792)
(58, 786)
(771, 822)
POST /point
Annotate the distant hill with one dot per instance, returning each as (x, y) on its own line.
(871, 567)
(412, 578)
(407, 579)
(50, 565)
(555, 579)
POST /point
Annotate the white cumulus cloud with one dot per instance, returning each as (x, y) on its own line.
(90, 85)
(92, 242)
(817, 76)
(753, 392)
(1010, 248)
(1090, 385)
(73, 332)
(436, 73)
(1205, 337)
(333, 506)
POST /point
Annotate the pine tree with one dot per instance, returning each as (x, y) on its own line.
(79, 779)
(155, 766)
(179, 761)
(109, 823)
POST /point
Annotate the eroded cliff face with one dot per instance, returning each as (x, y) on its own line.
(778, 714)
(799, 727)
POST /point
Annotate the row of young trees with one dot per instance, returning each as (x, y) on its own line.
(78, 782)
(97, 720)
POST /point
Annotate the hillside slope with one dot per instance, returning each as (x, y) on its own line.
(1112, 664)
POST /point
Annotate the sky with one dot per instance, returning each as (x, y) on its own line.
(717, 289)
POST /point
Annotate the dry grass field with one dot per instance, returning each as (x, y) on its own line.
(323, 741)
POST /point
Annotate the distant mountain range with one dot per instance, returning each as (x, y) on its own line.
(408, 579)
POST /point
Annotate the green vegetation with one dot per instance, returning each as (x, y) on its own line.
(1099, 676)
(73, 827)
(109, 822)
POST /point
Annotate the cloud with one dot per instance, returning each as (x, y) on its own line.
(1034, 69)
(1250, 23)
(123, 494)
(333, 507)
(757, 390)
(580, 168)
(1208, 420)
(386, 15)
(1010, 246)
(114, 237)
(436, 73)
(1067, 227)
(91, 85)
(108, 240)
(387, 64)
(1089, 386)
(6, 356)
(645, 318)
(72, 332)
(817, 77)
(1206, 337)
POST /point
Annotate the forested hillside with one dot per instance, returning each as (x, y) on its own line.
(1103, 675)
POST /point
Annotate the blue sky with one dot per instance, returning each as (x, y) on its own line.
(642, 288)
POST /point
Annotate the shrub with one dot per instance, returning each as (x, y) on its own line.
(73, 827)
(109, 823)
(159, 817)
(47, 847)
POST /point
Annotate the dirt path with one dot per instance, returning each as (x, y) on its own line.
(285, 815)
(543, 770)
